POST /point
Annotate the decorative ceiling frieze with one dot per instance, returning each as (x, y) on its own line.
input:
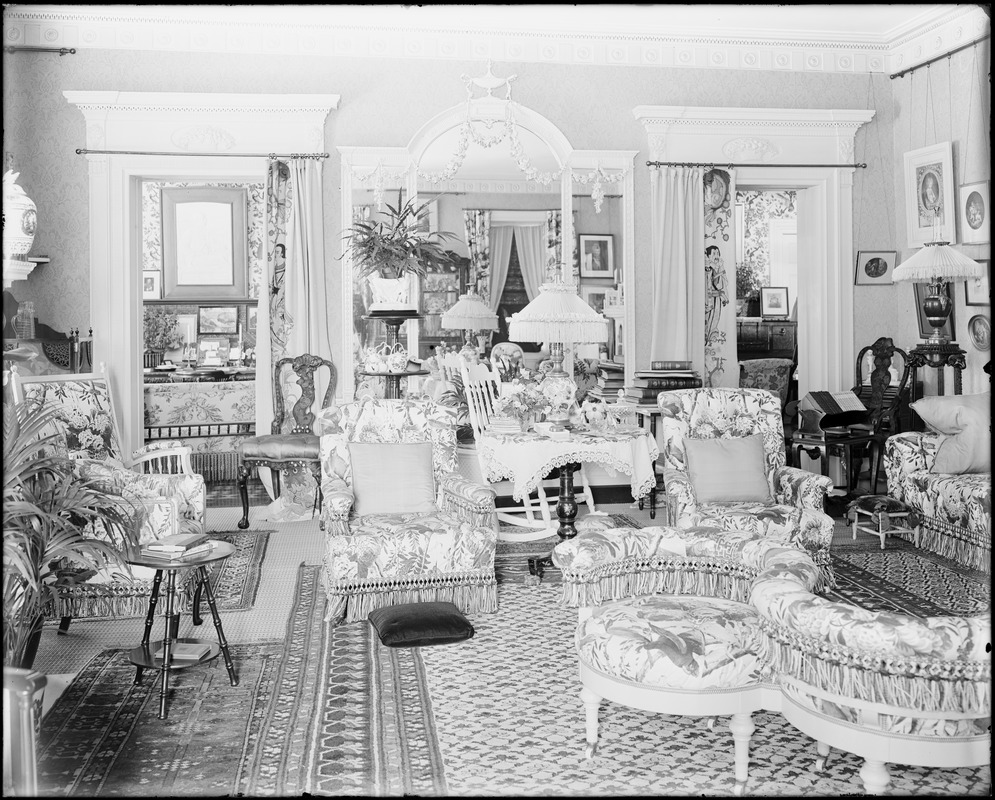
(155, 29)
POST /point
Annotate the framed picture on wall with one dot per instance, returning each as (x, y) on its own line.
(972, 213)
(929, 195)
(774, 301)
(596, 257)
(595, 296)
(978, 292)
(874, 267)
(214, 320)
(925, 329)
(979, 328)
(151, 284)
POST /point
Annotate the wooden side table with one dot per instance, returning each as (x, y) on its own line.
(143, 656)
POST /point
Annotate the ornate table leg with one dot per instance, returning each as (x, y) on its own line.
(243, 491)
(167, 641)
(149, 619)
(222, 641)
(566, 513)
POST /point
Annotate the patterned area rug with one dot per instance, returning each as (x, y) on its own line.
(332, 712)
(904, 578)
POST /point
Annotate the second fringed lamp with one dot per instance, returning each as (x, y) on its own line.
(557, 316)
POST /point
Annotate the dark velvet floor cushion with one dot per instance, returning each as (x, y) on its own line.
(420, 624)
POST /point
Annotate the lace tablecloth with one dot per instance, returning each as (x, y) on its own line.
(525, 458)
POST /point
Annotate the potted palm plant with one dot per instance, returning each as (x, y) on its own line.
(161, 333)
(46, 509)
(387, 251)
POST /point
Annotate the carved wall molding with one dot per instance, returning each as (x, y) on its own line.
(203, 138)
(199, 31)
(750, 149)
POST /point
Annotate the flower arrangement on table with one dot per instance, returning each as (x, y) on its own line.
(522, 400)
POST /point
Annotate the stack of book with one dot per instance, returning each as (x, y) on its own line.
(611, 378)
(184, 651)
(661, 377)
(178, 545)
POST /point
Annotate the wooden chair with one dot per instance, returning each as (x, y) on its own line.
(292, 445)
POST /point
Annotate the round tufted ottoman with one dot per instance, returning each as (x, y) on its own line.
(676, 654)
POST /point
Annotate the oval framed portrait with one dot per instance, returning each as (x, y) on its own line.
(979, 328)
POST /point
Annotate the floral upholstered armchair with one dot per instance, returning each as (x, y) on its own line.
(791, 508)
(401, 524)
(157, 477)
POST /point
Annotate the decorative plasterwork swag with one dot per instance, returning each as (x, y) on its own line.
(175, 123)
(723, 136)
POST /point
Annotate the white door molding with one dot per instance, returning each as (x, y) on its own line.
(769, 136)
(173, 123)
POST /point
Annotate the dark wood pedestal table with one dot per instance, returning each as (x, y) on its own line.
(143, 656)
(393, 320)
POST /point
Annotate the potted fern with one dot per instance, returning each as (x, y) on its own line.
(46, 509)
(386, 252)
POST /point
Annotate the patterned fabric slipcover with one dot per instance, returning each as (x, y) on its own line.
(386, 559)
(884, 672)
(796, 515)
(956, 510)
(674, 642)
(772, 374)
(173, 500)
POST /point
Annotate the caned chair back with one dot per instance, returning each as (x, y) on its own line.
(378, 420)
(719, 413)
(300, 391)
(481, 384)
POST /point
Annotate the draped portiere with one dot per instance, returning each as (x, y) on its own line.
(678, 265)
(500, 258)
(295, 320)
(531, 243)
(721, 365)
(477, 226)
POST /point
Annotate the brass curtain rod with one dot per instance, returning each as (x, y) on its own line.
(17, 48)
(730, 166)
(939, 58)
(82, 152)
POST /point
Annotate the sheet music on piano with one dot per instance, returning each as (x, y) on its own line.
(838, 402)
(823, 413)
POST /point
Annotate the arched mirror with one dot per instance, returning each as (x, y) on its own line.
(517, 198)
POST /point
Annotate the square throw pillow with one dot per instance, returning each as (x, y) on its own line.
(728, 470)
(392, 477)
(965, 425)
(420, 624)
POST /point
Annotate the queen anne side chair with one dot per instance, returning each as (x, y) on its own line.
(157, 477)
(795, 512)
(440, 550)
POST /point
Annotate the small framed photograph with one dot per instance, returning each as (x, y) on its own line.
(212, 352)
(774, 301)
(214, 320)
(874, 267)
(151, 284)
(979, 328)
(595, 296)
(596, 257)
(978, 291)
(972, 213)
(929, 195)
(925, 329)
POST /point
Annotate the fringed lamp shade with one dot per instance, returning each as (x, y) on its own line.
(470, 313)
(555, 316)
(936, 264)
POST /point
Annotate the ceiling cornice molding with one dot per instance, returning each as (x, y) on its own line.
(211, 29)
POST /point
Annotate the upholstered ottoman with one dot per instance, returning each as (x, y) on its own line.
(676, 654)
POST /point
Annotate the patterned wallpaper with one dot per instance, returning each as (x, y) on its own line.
(759, 208)
(384, 106)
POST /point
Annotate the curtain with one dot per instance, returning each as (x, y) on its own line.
(554, 240)
(678, 265)
(531, 243)
(721, 365)
(295, 321)
(500, 257)
(477, 225)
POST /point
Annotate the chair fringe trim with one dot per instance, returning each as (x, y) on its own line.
(967, 548)
(631, 578)
(960, 686)
(116, 601)
(471, 598)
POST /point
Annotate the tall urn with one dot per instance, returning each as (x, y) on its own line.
(20, 219)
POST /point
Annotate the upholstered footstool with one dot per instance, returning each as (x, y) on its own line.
(880, 515)
(676, 654)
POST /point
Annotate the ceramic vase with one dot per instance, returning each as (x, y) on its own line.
(20, 219)
(390, 294)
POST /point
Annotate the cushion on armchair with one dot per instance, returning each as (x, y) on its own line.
(392, 477)
(728, 470)
(964, 421)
